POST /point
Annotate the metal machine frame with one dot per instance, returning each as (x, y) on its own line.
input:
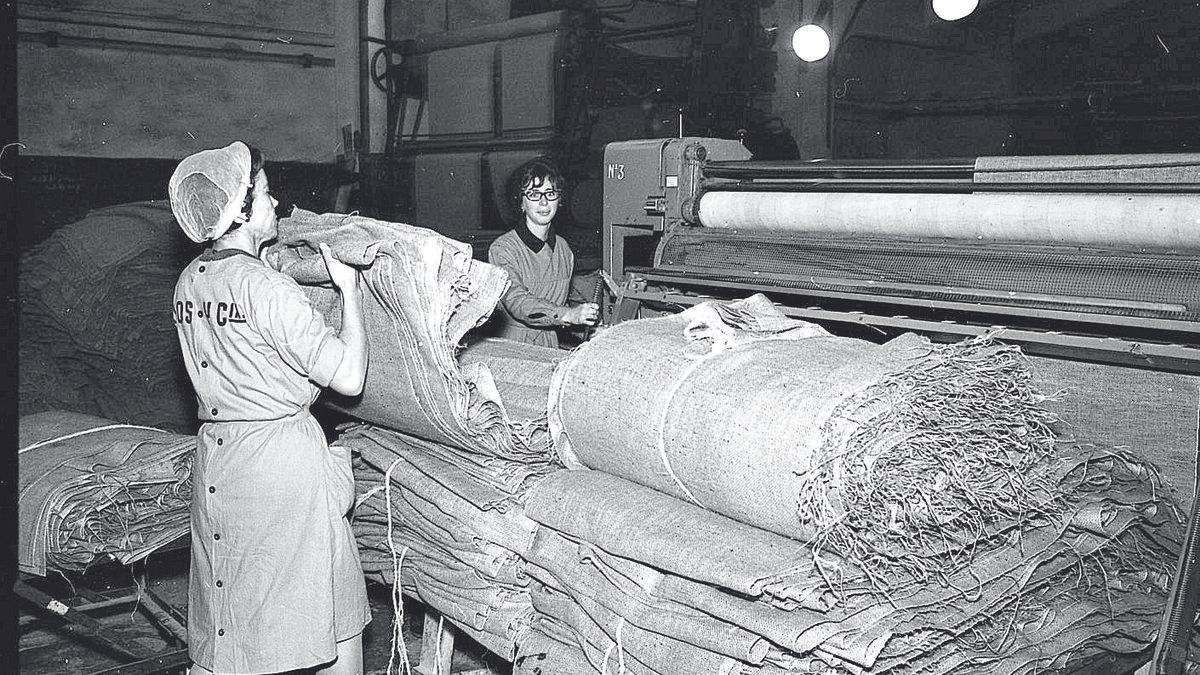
(653, 189)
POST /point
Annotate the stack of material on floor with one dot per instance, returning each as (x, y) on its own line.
(96, 331)
(455, 435)
(628, 574)
(423, 292)
(91, 488)
(932, 522)
(453, 533)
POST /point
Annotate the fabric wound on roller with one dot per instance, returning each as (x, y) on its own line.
(1132, 168)
(1161, 220)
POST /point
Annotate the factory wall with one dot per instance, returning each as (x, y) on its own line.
(410, 18)
(112, 93)
(136, 78)
(482, 90)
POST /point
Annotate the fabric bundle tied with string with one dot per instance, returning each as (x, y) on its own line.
(864, 449)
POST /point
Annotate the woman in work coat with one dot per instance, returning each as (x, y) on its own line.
(539, 262)
(275, 582)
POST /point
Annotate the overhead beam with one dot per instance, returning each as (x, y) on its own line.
(1050, 16)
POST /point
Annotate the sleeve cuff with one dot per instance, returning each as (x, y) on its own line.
(329, 358)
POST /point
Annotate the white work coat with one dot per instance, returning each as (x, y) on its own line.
(275, 577)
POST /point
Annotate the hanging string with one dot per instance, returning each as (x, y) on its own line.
(4, 150)
(397, 589)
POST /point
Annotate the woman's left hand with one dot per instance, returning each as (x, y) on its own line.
(343, 276)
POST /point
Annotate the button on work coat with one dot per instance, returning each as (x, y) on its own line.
(275, 578)
(540, 282)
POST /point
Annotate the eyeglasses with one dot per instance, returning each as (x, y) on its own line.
(535, 196)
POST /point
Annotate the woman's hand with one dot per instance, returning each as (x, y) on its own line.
(343, 276)
(582, 315)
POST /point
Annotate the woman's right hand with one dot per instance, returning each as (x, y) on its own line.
(343, 276)
(582, 315)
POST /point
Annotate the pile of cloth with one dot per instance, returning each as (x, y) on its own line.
(727, 490)
(452, 436)
(423, 292)
(443, 535)
(755, 495)
(723, 490)
(627, 577)
(91, 488)
(96, 330)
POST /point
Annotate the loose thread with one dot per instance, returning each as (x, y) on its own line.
(620, 648)
(4, 150)
(397, 589)
(68, 437)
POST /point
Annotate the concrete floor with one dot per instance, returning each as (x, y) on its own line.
(47, 649)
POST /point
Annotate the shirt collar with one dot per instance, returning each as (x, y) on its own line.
(531, 240)
(211, 254)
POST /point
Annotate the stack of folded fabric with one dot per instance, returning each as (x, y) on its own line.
(91, 488)
(750, 493)
(96, 330)
(454, 436)
(629, 576)
(453, 538)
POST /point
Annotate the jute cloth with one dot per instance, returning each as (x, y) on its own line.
(422, 293)
(724, 405)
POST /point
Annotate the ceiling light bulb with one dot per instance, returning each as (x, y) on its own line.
(811, 43)
(953, 10)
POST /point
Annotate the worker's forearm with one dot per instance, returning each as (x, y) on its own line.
(532, 310)
(353, 370)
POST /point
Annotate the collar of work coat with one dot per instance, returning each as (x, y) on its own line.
(531, 240)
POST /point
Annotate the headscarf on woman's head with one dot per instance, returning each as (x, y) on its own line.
(208, 190)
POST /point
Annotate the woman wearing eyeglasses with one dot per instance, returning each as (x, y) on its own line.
(538, 261)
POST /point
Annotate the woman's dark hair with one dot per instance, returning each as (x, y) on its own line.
(537, 171)
(256, 164)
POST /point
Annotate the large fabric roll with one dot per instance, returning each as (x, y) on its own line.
(777, 424)
(1169, 221)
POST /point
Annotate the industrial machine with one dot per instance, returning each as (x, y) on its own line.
(1090, 263)
(1091, 258)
